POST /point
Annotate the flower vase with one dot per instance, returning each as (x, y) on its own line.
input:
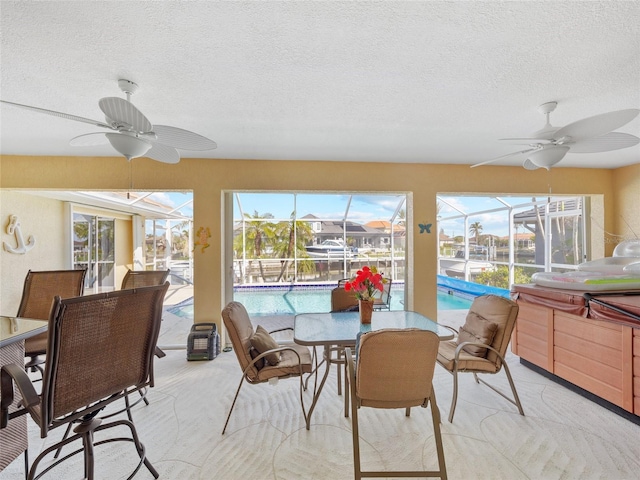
(366, 310)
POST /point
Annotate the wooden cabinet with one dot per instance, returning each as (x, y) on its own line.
(636, 371)
(533, 335)
(599, 356)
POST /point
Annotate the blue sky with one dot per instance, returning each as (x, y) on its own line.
(494, 223)
(364, 208)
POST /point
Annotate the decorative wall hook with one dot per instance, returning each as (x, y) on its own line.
(13, 228)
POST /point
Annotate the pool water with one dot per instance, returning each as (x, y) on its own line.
(279, 301)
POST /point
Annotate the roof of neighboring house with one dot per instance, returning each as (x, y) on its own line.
(336, 227)
(555, 205)
(379, 224)
(519, 236)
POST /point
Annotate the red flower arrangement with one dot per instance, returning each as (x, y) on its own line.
(365, 283)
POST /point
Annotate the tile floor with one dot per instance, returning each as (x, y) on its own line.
(562, 436)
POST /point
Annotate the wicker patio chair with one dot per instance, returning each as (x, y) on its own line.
(100, 349)
(394, 369)
(145, 278)
(132, 280)
(37, 298)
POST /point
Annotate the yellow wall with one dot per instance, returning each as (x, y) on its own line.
(209, 179)
(49, 221)
(42, 218)
(626, 221)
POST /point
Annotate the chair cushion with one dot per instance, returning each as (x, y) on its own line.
(262, 341)
(288, 366)
(477, 329)
(254, 353)
(466, 361)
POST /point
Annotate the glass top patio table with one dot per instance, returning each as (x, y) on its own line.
(342, 328)
(333, 331)
(14, 329)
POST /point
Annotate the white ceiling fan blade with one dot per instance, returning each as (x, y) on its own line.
(59, 114)
(89, 139)
(182, 139)
(605, 143)
(525, 141)
(125, 113)
(163, 153)
(504, 156)
(597, 125)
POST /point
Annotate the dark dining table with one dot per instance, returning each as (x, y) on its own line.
(13, 332)
(334, 331)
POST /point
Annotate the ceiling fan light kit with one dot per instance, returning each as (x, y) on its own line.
(549, 145)
(128, 145)
(133, 134)
(548, 155)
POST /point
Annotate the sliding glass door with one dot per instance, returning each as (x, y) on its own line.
(94, 249)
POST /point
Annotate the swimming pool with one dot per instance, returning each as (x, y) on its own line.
(287, 301)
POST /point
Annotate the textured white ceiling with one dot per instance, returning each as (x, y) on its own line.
(431, 82)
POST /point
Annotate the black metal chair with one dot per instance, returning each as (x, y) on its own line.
(145, 278)
(100, 349)
(37, 298)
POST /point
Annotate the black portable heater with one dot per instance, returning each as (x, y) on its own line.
(203, 342)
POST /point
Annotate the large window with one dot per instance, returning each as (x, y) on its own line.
(503, 240)
(309, 237)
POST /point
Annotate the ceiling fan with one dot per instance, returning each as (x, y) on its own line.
(594, 134)
(132, 134)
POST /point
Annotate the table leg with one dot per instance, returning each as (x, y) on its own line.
(346, 388)
(316, 395)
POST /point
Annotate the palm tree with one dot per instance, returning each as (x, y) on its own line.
(475, 229)
(292, 237)
(259, 234)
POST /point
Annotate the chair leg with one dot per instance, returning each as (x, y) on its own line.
(339, 353)
(515, 400)
(66, 434)
(136, 442)
(85, 432)
(87, 443)
(435, 416)
(513, 389)
(143, 394)
(346, 390)
(357, 474)
(233, 405)
(454, 398)
(26, 464)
